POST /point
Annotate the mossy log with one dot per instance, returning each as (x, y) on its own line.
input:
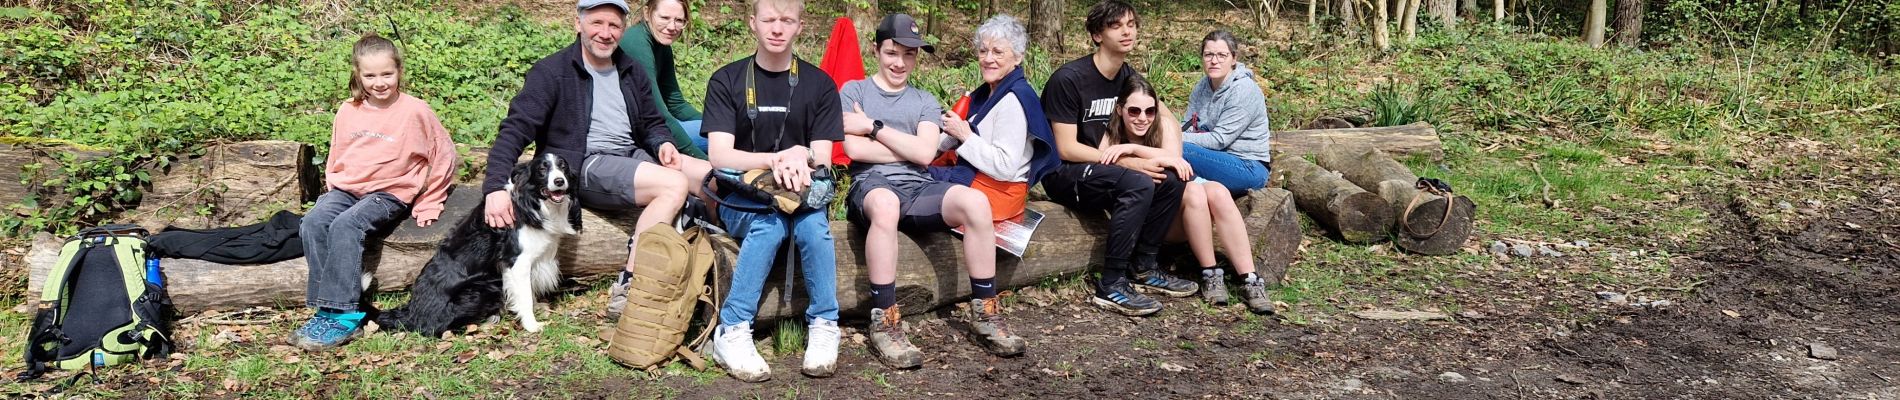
(1404, 140)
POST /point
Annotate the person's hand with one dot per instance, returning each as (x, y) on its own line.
(955, 126)
(1180, 167)
(1114, 153)
(424, 222)
(1142, 165)
(669, 156)
(498, 210)
(793, 168)
(855, 122)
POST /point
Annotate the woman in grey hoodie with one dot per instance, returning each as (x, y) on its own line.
(1226, 127)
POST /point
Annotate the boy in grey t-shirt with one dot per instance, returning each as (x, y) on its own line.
(891, 132)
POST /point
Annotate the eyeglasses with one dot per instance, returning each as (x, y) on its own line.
(670, 22)
(1217, 56)
(1133, 111)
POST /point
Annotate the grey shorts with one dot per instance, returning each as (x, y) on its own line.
(920, 202)
(607, 180)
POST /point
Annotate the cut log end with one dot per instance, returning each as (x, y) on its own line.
(1428, 231)
(1362, 218)
(1274, 223)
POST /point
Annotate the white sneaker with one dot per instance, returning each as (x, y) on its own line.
(733, 349)
(821, 348)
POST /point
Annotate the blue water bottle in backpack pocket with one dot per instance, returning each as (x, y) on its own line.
(152, 272)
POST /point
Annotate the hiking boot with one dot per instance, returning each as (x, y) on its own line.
(986, 329)
(821, 347)
(889, 342)
(1167, 284)
(327, 330)
(732, 348)
(1214, 286)
(617, 296)
(1256, 294)
(1121, 298)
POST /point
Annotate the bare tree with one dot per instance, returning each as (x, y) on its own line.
(1381, 27)
(1410, 19)
(1497, 11)
(1312, 15)
(1629, 21)
(1593, 26)
(1470, 7)
(1045, 24)
(1348, 22)
(1446, 11)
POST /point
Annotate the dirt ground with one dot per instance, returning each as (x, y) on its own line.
(1759, 300)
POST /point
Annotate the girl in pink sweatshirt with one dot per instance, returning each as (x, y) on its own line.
(390, 159)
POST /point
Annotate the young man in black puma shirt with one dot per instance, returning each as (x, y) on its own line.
(1142, 196)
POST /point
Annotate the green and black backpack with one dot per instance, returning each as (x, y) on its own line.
(98, 307)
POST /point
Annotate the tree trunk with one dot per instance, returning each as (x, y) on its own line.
(1423, 224)
(1355, 215)
(1593, 26)
(1629, 22)
(1497, 11)
(1470, 7)
(1065, 243)
(1401, 141)
(1348, 22)
(1312, 16)
(864, 18)
(1410, 19)
(1381, 26)
(1045, 25)
(1446, 11)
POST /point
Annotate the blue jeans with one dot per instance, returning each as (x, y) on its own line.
(1237, 174)
(759, 236)
(333, 233)
(692, 130)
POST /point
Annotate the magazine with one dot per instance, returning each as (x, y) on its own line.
(1012, 235)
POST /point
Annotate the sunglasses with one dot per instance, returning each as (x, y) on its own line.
(1138, 111)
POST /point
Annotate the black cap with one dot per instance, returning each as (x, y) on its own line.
(902, 29)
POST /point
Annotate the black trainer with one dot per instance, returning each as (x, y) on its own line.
(1158, 281)
(1121, 298)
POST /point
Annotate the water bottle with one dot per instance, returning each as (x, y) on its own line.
(152, 273)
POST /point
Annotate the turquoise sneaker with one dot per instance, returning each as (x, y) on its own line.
(328, 330)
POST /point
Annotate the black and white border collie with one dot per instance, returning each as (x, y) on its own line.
(477, 267)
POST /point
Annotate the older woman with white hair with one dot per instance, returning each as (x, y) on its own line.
(1006, 145)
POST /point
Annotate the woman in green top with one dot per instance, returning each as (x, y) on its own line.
(650, 43)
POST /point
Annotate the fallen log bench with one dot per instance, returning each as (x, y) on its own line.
(1423, 222)
(1418, 139)
(931, 270)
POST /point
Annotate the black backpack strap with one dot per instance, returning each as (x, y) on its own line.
(45, 331)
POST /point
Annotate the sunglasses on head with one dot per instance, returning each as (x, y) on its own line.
(1133, 111)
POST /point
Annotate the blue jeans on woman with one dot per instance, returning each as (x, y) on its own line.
(1237, 174)
(692, 130)
(759, 235)
(333, 233)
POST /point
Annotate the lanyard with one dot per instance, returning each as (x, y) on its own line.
(752, 102)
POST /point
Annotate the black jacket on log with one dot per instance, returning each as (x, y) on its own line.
(261, 243)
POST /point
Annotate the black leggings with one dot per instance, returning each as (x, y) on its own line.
(1140, 210)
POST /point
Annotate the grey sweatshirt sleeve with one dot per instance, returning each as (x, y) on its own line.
(1002, 149)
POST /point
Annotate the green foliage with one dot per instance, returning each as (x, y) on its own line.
(1390, 107)
(150, 81)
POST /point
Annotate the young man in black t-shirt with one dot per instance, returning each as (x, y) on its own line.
(774, 111)
(1142, 196)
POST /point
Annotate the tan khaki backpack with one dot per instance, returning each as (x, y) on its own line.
(671, 276)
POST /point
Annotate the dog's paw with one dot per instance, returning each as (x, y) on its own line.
(531, 326)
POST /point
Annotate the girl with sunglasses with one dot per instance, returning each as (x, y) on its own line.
(1205, 205)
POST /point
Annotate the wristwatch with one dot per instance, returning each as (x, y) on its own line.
(876, 125)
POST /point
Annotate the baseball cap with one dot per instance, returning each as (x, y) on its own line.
(902, 29)
(585, 5)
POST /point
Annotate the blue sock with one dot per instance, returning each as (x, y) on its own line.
(883, 295)
(983, 288)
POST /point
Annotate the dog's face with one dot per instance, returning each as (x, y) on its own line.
(544, 177)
